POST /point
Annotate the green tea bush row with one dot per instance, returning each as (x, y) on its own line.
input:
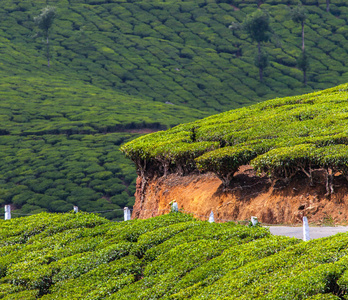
(224, 162)
(281, 137)
(180, 258)
(119, 66)
(53, 173)
(92, 30)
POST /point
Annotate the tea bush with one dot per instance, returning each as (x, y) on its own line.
(75, 256)
(281, 137)
(125, 65)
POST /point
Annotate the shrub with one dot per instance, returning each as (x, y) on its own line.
(225, 162)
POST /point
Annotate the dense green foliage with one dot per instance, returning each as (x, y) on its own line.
(176, 51)
(225, 161)
(118, 65)
(257, 26)
(282, 137)
(83, 256)
(53, 173)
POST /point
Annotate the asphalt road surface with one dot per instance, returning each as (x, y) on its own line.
(314, 232)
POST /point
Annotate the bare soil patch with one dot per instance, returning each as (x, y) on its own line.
(249, 195)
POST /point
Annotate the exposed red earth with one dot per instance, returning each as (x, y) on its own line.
(250, 195)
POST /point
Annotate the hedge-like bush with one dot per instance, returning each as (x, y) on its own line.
(75, 256)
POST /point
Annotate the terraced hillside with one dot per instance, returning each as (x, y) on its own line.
(83, 256)
(59, 144)
(284, 138)
(177, 51)
(121, 66)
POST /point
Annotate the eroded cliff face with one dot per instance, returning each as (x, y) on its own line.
(250, 195)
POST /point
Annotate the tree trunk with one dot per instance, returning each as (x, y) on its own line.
(328, 5)
(329, 182)
(303, 51)
(48, 51)
(303, 46)
(259, 60)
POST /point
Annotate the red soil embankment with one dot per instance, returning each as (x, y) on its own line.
(249, 196)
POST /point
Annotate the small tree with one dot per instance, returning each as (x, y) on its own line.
(299, 15)
(261, 61)
(303, 65)
(45, 21)
(257, 25)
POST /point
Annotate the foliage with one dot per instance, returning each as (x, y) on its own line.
(140, 48)
(84, 256)
(282, 137)
(53, 173)
(257, 25)
(46, 18)
(299, 14)
(225, 161)
(44, 21)
(303, 61)
(121, 66)
(261, 60)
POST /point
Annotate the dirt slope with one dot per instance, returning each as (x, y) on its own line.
(251, 195)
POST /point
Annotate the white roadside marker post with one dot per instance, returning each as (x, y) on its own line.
(175, 207)
(76, 209)
(211, 217)
(305, 229)
(7, 212)
(254, 221)
(127, 214)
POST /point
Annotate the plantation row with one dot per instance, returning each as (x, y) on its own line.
(282, 137)
(178, 51)
(83, 256)
(119, 66)
(33, 107)
(59, 144)
(54, 173)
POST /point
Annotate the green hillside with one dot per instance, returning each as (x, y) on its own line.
(59, 144)
(176, 51)
(83, 256)
(283, 137)
(120, 66)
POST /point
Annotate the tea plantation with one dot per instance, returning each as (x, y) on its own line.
(174, 256)
(177, 51)
(117, 66)
(283, 138)
(59, 144)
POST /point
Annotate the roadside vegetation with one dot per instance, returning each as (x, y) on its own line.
(84, 256)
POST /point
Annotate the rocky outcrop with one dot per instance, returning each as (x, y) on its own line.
(249, 195)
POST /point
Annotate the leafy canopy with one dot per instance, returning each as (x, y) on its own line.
(46, 18)
(257, 25)
(299, 14)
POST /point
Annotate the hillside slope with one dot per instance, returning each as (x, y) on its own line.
(176, 51)
(83, 256)
(302, 138)
(59, 143)
(123, 68)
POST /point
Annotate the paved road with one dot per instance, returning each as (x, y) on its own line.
(314, 232)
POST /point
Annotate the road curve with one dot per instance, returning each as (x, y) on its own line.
(314, 232)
